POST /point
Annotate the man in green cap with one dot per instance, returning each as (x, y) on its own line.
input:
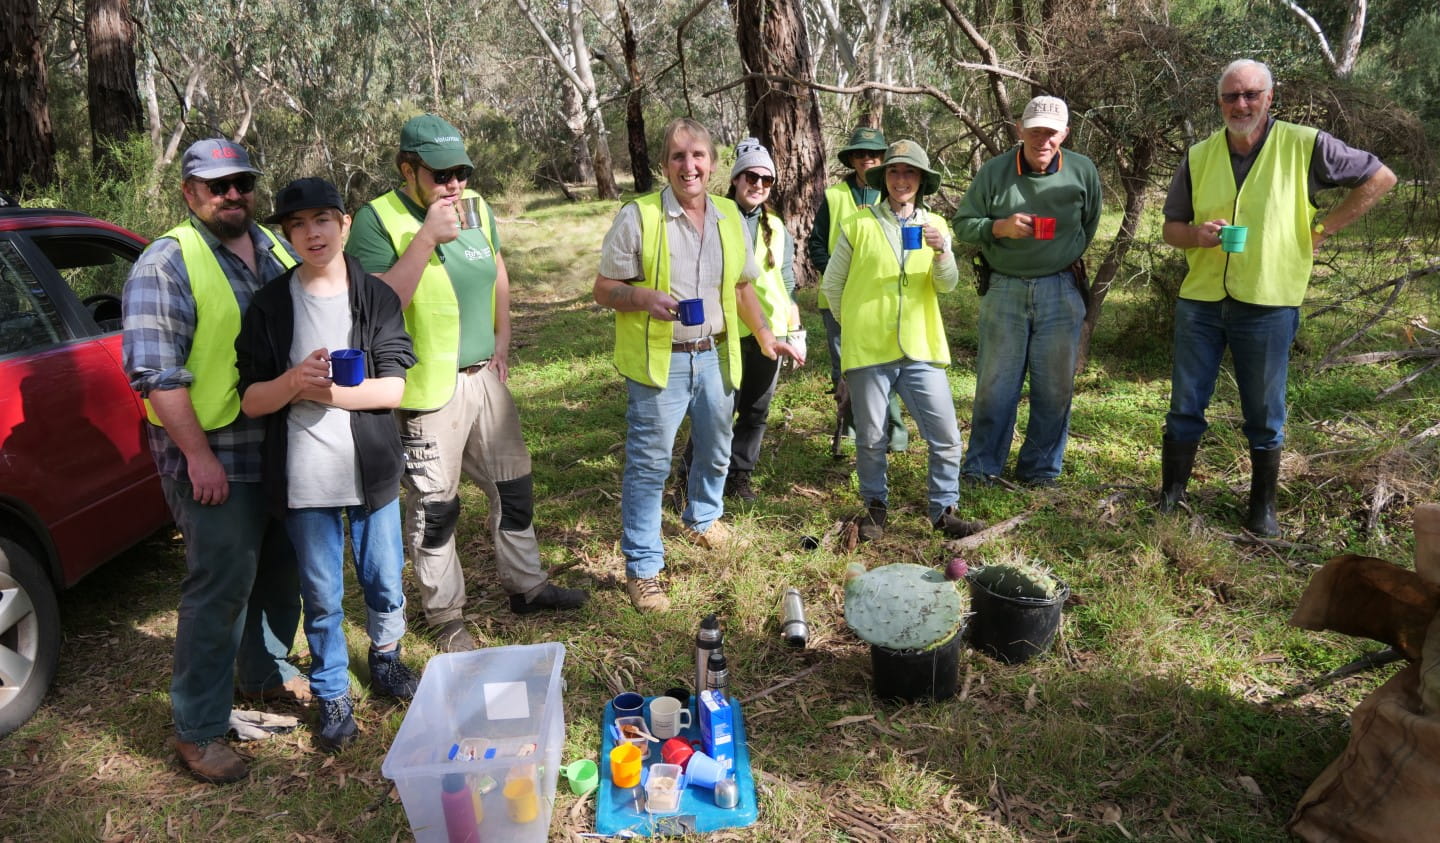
(435, 243)
(865, 149)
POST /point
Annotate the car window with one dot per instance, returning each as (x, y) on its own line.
(27, 315)
(95, 268)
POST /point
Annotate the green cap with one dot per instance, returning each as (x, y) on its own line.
(436, 142)
(905, 152)
(863, 137)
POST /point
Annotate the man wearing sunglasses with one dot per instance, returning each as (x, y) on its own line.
(183, 305)
(1262, 174)
(457, 415)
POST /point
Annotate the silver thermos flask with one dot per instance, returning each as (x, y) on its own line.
(707, 640)
(793, 627)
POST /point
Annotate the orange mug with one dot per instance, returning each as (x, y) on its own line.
(625, 765)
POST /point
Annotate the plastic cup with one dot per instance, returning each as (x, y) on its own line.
(703, 771)
(347, 366)
(662, 788)
(625, 765)
(912, 236)
(1233, 237)
(678, 751)
(521, 800)
(1044, 227)
(584, 776)
(691, 311)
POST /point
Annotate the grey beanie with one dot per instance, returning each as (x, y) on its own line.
(750, 154)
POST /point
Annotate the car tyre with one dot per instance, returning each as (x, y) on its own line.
(29, 635)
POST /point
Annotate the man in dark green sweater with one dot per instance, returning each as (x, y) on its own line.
(1031, 211)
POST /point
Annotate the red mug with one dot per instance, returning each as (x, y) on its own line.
(678, 751)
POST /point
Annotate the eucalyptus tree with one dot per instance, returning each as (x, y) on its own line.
(27, 143)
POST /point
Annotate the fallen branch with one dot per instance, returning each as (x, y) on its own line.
(781, 684)
(1386, 356)
(974, 540)
(1369, 661)
(1429, 269)
(1405, 381)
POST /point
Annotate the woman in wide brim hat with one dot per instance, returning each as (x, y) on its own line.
(904, 152)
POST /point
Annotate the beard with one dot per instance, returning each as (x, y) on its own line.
(229, 227)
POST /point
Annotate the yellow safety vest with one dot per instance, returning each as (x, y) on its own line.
(215, 392)
(841, 204)
(433, 316)
(770, 286)
(642, 344)
(887, 314)
(1274, 202)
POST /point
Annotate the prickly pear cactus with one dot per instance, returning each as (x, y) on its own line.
(902, 606)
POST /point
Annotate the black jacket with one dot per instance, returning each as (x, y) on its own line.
(377, 327)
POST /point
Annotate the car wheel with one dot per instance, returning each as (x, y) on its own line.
(29, 635)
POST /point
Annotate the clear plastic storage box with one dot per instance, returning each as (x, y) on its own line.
(481, 744)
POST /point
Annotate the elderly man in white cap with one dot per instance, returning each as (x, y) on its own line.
(1031, 212)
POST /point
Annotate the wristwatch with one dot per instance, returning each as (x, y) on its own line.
(1319, 229)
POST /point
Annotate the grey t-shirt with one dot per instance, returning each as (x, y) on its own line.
(320, 463)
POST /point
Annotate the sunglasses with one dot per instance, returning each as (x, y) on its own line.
(462, 173)
(755, 178)
(1250, 96)
(244, 182)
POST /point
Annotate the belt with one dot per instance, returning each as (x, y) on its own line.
(702, 344)
(475, 369)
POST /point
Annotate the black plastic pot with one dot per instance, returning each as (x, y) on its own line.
(1013, 629)
(911, 675)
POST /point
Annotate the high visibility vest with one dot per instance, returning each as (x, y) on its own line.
(642, 343)
(433, 316)
(770, 286)
(1274, 203)
(840, 201)
(215, 393)
(888, 314)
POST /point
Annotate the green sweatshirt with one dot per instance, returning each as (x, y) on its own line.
(1069, 191)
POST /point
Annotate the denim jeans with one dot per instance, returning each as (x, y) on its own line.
(832, 344)
(1259, 338)
(926, 393)
(239, 606)
(1026, 324)
(379, 552)
(697, 389)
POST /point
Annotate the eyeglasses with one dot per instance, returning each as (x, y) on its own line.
(1250, 96)
(755, 178)
(461, 172)
(244, 182)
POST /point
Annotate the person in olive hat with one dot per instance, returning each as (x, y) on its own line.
(865, 149)
(886, 298)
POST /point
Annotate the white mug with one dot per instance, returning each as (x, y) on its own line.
(668, 717)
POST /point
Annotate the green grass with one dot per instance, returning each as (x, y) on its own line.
(1160, 698)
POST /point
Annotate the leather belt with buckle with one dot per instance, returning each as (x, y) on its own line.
(475, 369)
(702, 344)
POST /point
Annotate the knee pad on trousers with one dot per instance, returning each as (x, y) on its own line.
(440, 520)
(517, 503)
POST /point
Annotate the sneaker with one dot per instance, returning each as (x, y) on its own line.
(337, 726)
(955, 527)
(212, 761)
(738, 485)
(646, 594)
(293, 691)
(552, 598)
(872, 523)
(715, 537)
(453, 637)
(390, 677)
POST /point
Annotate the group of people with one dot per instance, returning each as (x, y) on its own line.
(230, 332)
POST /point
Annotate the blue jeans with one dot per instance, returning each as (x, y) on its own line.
(239, 606)
(379, 552)
(1259, 338)
(695, 389)
(832, 344)
(926, 393)
(1025, 325)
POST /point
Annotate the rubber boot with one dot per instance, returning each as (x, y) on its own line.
(1176, 461)
(1264, 474)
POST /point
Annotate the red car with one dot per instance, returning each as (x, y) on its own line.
(77, 483)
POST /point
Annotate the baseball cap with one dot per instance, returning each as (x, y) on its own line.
(215, 157)
(1049, 112)
(304, 194)
(436, 142)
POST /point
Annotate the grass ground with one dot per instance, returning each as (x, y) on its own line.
(1171, 707)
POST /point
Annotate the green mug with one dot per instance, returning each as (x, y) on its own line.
(584, 776)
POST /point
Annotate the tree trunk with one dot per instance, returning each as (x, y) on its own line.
(582, 165)
(634, 108)
(114, 98)
(785, 117)
(27, 141)
(872, 109)
(1134, 180)
(605, 186)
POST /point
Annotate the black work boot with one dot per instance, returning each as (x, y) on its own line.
(1176, 461)
(1264, 474)
(872, 523)
(737, 485)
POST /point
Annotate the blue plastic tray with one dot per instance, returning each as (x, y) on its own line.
(615, 809)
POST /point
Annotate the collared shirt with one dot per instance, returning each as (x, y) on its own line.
(696, 260)
(160, 325)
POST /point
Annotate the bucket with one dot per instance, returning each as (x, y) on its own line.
(911, 675)
(1013, 629)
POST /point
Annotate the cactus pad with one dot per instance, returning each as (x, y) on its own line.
(903, 607)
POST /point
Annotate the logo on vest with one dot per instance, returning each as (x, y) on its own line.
(476, 254)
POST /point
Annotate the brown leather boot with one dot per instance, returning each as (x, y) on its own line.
(212, 761)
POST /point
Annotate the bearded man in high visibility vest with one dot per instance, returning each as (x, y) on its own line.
(1262, 174)
(182, 309)
(457, 415)
(679, 244)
